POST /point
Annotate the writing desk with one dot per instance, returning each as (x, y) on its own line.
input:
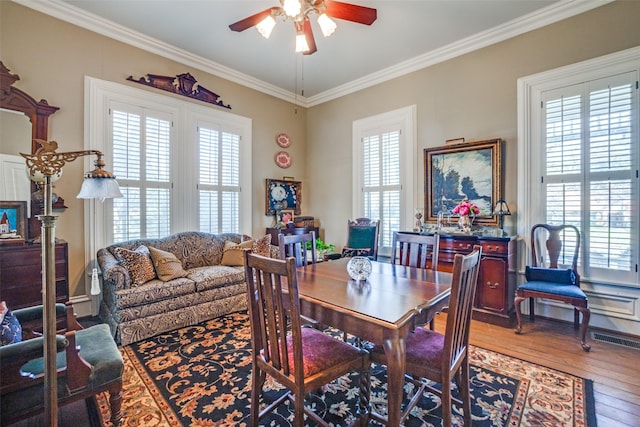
(382, 310)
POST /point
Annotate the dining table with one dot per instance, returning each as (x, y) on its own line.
(382, 309)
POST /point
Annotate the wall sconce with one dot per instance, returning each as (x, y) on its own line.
(501, 209)
(44, 167)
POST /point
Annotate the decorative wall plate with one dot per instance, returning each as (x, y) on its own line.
(283, 159)
(283, 140)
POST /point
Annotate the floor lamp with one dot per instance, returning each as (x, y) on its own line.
(45, 166)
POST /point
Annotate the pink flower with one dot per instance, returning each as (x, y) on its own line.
(465, 208)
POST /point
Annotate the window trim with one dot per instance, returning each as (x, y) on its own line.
(530, 91)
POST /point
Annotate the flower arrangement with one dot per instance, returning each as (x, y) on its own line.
(466, 208)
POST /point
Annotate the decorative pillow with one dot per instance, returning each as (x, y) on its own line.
(233, 252)
(351, 252)
(138, 263)
(10, 329)
(553, 275)
(167, 265)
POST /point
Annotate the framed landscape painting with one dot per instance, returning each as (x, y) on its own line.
(470, 171)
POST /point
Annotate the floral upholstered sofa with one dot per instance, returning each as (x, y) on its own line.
(150, 286)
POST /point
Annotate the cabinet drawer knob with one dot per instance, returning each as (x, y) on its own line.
(494, 285)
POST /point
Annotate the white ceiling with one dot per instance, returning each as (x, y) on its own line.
(408, 35)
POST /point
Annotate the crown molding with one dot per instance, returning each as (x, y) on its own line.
(556, 12)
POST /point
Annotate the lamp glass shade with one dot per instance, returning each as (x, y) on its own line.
(327, 25)
(291, 7)
(265, 26)
(99, 188)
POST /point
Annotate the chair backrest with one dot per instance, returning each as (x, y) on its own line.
(555, 246)
(363, 233)
(463, 290)
(415, 250)
(274, 312)
(295, 245)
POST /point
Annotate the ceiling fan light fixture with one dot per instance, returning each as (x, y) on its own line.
(291, 7)
(327, 25)
(301, 42)
(265, 27)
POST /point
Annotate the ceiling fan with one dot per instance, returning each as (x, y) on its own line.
(298, 11)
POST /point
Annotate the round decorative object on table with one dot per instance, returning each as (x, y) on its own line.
(283, 159)
(283, 140)
(359, 268)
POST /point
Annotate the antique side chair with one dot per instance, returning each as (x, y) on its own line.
(362, 238)
(554, 274)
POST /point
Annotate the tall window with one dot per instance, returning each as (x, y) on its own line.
(141, 142)
(219, 181)
(588, 168)
(383, 171)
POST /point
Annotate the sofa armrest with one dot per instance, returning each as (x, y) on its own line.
(114, 276)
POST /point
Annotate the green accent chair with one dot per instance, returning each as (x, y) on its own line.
(88, 362)
(362, 238)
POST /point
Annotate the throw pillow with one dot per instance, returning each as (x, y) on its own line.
(553, 275)
(138, 263)
(10, 329)
(167, 265)
(233, 252)
(351, 252)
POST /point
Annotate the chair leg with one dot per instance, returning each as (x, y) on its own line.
(532, 309)
(257, 380)
(115, 404)
(298, 410)
(586, 315)
(516, 302)
(446, 402)
(364, 404)
(576, 318)
(465, 391)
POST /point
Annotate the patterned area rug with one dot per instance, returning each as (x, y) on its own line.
(200, 376)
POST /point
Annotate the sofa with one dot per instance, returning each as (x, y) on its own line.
(151, 286)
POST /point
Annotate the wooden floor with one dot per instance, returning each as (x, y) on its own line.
(614, 369)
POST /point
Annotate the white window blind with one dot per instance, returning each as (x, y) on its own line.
(590, 171)
(219, 180)
(141, 155)
(382, 182)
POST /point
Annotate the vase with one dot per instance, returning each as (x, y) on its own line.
(464, 222)
(359, 268)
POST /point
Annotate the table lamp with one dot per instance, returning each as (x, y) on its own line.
(501, 209)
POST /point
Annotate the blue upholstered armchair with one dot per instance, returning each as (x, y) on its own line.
(554, 274)
(362, 239)
(88, 361)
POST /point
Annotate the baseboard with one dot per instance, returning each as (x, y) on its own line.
(82, 305)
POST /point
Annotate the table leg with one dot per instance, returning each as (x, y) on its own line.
(394, 350)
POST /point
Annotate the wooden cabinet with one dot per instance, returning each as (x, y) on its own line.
(290, 230)
(21, 274)
(496, 278)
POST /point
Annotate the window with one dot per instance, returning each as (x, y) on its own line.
(585, 139)
(383, 171)
(180, 165)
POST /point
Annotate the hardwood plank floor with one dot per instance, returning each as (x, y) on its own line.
(614, 369)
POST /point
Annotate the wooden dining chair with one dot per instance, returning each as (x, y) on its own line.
(295, 245)
(444, 357)
(554, 274)
(415, 250)
(301, 359)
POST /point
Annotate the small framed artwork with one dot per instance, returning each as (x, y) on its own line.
(471, 170)
(13, 219)
(286, 216)
(283, 195)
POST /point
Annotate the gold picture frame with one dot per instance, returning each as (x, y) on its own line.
(470, 170)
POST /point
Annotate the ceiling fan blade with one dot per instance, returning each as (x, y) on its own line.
(351, 12)
(251, 21)
(308, 34)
